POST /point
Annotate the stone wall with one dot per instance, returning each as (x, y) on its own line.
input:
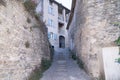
(95, 25)
(23, 41)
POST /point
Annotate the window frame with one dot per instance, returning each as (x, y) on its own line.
(50, 10)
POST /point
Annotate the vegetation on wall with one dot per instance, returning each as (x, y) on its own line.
(45, 64)
(2, 2)
(28, 20)
(118, 41)
(42, 26)
(30, 6)
(38, 71)
(116, 24)
(118, 60)
(73, 55)
(27, 44)
(80, 63)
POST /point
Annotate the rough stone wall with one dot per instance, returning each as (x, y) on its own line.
(23, 41)
(95, 25)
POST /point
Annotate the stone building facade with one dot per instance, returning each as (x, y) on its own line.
(23, 41)
(93, 25)
(55, 16)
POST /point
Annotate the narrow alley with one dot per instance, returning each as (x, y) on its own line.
(64, 68)
(52, 39)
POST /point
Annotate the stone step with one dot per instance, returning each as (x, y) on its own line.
(64, 69)
(61, 70)
(61, 61)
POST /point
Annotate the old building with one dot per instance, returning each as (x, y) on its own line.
(93, 26)
(55, 16)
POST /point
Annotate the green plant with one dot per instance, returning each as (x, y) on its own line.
(35, 26)
(80, 63)
(36, 74)
(38, 71)
(73, 55)
(116, 23)
(45, 64)
(28, 20)
(27, 44)
(30, 6)
(118, 60)
(118, 41)
(2, 2)
(37, 16)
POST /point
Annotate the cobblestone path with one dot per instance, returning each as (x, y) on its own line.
(64, 68)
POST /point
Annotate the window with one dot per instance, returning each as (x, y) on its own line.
(52, 36)
(50, 10)
(50, 23)
(55, 36)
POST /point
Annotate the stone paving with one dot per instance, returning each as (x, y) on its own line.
(64, 68)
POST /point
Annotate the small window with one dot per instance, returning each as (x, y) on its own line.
(48, 35)
(55, 36)
(50, 10)
(52, 35)
(50, 23)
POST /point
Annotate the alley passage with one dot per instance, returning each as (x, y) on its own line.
(64, 68)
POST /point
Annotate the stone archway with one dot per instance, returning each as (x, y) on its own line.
(61, 42)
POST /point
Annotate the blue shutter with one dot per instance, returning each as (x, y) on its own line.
(49, 35)
(55, 37)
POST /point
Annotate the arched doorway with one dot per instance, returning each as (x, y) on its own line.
(61, 42)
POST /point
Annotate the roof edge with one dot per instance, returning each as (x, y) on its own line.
(60, 4)
(72, 13)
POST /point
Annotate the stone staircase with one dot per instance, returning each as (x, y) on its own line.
(64, 68)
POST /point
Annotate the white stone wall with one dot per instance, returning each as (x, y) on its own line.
(23, 42)
(91, 29)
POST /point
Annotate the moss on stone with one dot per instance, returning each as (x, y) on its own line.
(27, 44)
(2, 2)
(28, 20)
(118, 60)
(30, 6)
(38, 71)
(118, 41)
(80, 63)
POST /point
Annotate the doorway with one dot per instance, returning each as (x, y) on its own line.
(61, 42)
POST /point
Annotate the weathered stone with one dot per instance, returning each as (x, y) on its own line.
(92, 28)
(21, 46)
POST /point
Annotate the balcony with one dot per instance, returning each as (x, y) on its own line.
(60, 18)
